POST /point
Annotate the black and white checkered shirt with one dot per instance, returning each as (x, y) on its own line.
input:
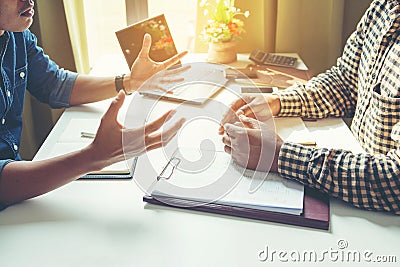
(365, 84)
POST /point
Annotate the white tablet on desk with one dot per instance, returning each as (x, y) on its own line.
(198, 83)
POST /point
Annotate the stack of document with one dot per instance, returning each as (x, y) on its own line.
(206, 176)
(223, 182)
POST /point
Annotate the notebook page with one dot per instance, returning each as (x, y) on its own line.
(72, 133)
(275, 193)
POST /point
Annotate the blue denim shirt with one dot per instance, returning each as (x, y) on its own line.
(24, 66)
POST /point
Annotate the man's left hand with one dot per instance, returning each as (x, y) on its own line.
(253, 144)
(144, 67)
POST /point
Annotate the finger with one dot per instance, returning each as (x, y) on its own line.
(239, 124)
(226, 140)
(154, 146)
(232, 130)
(221, 130)
(176, 71)
(144, 52)
(155, 125)
(162, 139)
(165, 136)
(249, 110)
(173, 60)
(233, 108)
(115, 106)
(228, 149)
(249, 122)
(176, 80)
(244, 110)
(170, 133)
(230, 115)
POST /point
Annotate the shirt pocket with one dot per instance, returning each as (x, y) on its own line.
(381, 117)
(20, 76)
(18, 90)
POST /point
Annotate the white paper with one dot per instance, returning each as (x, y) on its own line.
(71, 141)
(273, 193)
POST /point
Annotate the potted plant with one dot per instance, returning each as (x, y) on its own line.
(222, 30)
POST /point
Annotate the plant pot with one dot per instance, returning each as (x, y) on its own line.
(223, 52)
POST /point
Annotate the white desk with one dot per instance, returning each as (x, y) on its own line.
(105, 223)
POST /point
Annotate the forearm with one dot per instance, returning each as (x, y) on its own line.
(21, 180)
(366, 181)
(88, 89)
(328, 94)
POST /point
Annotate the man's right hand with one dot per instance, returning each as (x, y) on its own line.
(259, 107)
(114, 143)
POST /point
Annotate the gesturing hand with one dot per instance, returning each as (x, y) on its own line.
(114, 143)
(144, 67)
(253, 144)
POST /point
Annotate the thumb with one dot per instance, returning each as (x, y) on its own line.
(144, 52)
(115, 106)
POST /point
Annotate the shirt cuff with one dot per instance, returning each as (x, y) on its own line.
(293, 161)
(3, 163)
(61, 95)
(290, 103)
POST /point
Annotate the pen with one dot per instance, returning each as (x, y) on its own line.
(310, 143)
(87, 135)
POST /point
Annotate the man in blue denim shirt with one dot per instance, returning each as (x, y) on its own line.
(24, 66)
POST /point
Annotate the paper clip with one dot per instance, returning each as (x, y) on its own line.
(169, 168)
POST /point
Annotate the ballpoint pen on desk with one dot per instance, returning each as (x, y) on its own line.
(88, 135)
(309, 144)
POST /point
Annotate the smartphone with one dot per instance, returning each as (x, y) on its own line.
(256, 89)
(240, 73)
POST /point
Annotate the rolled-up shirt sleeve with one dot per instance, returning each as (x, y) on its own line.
(46, 81)
(3, 163)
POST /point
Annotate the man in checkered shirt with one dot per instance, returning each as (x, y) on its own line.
(365, 84)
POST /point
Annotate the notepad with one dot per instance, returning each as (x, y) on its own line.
(71, 140)
(274, 194)
(207, 176)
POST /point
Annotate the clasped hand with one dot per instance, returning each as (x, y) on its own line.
(248, 131)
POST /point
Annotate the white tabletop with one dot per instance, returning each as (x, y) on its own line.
(106, 223)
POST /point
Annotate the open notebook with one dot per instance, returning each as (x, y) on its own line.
(224, 182)
(276, 200)
(72, 140)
